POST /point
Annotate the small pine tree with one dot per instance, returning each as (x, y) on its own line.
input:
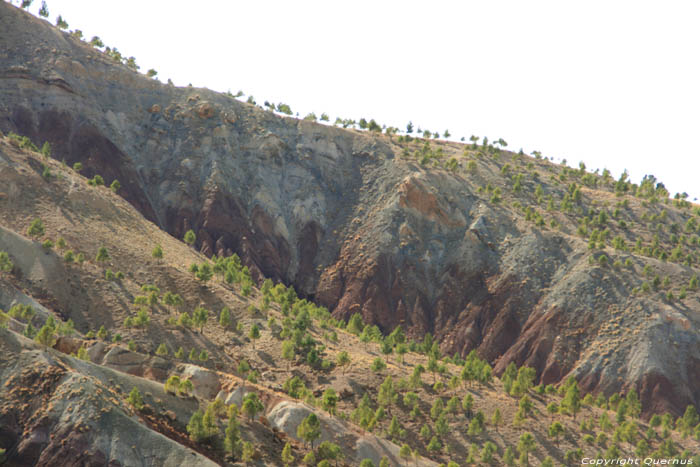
(309, 429)
(496, 419)
(343, 360)
(195, 427)
(555, 430)
(61, 23)
(157, 252)
(526, 444)
(6, 265)
(135, 398)
(36, 229)
(82, 354)
(487, 452)
(252, 405)
(254, 334)
(288, 352)
(232, 439)
(434, 444)
(287, 456)
(405, 452)
(509, 457)
(162, 350)
(572, 400)
(46, 336)
(186, 387)
(225, 317)
(378, 365)
(102, 254)
(190, 237)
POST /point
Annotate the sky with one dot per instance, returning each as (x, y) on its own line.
(613, 84)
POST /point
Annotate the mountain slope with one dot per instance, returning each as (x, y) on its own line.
(56, 407)
(469, 251)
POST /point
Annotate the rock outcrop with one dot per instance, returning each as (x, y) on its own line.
(55, 410)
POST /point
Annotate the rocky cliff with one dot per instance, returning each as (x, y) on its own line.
(357, 223)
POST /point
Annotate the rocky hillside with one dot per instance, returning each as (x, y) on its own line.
(569, 272)
(115, 350)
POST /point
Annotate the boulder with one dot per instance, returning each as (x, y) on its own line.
(206, 382)
(236, 397)
(96, 351)
(287, 416)
(374, 448)
(205, 110)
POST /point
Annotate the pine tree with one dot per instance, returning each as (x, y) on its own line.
(386, 394)
(287, 456)
(225, 318)
(200, 317)
(162, 350)
(190, 237)
(572, 400)
(526, 444)
(487, 452)
(232, 439)
(102, 254)
(186, 387)
(509, 457)
(195, 427)
(82, 354)
(405, 453)
(329, 400)
(254, 334)
(343, 360)
(555, 430)
(309, 429)
(45, 336)
(6, 264)
(434, 444)
(252, 405)
(61, 23)
(36, 229)
(157, 252)
(496, 419)
(135, 398)
(44, 11)
(378, 365)
(29, 331)
(552, 409)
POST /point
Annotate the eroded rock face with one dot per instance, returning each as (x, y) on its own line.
(60, 411)
(344, 219)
